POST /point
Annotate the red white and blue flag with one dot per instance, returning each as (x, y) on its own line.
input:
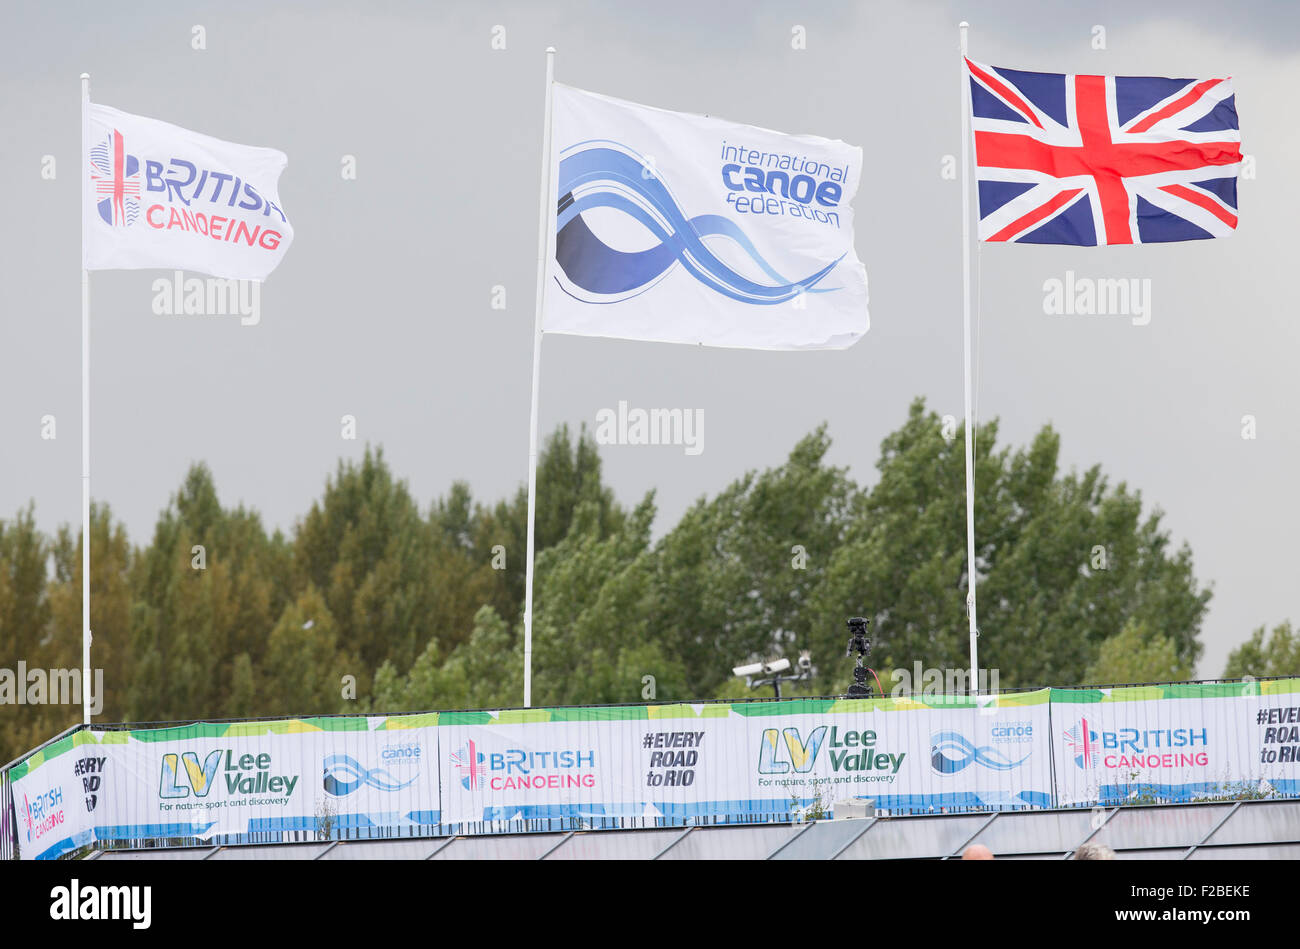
(1066, 159)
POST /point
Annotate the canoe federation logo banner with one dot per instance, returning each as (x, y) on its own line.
(343, 774)
(952, 751)
(684, 228)
(610, 175)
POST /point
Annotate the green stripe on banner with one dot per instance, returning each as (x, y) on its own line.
(334, 723)
(181, 732)
(1141, 693)
(514, 716)
(523, 716)
(613, 713)
(1023, 699)
(1225, 690)
(1209, 690)
(259, 729)
(52, 751)
(465, 718)
(857, 706)
(1081, 696)
(409, 721)
(784, 707)
(686, 710)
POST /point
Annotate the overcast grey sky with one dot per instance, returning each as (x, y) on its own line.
(381, 308)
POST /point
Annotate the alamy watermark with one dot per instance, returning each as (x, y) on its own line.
(624, 426)
(25, 686)
(1086, 296)
(934, 682)
(212, 296)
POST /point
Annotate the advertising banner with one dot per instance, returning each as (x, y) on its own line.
(655, 765)
(688, 763)
(1176, 742)
(907, 754)
(206, 780)
(540, 764)
(58, 796)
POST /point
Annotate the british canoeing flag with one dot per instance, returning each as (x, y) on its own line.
(1064, 159)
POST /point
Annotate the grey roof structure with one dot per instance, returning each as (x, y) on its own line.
(1250, 829)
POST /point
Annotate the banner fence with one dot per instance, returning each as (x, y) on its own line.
(604, 767)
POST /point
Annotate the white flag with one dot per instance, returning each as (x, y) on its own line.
(689, 229)
(157, 195)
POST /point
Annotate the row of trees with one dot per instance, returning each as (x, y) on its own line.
(372, 603)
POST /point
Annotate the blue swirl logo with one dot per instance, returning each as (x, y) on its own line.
(599, 175)
(951, 752)
(344, 774)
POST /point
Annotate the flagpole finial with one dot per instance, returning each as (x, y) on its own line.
(550, 49)
(85, 75)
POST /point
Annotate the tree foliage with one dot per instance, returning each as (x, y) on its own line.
(1279, 656)
(1135, 655)
(422, 605)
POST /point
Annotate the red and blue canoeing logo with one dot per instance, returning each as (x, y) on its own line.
(468, 760)
(1082, 743)
(115, 177)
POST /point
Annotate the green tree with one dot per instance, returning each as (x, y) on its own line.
(110, 607)
(1280, 656)
(738, 576)
(304, 664)
(214, 618)
(207, 589)
(366, 548)
(24, 595)
(484, 671)
(474, 657)
(1064, 562)
(41, 622)
(568, 474)
(593, 637)
(1134, 655)
(26, 635)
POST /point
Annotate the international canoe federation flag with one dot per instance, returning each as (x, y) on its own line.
(690, 229)
(157, 195)
(1090, 160)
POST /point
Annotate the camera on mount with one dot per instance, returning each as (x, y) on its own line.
(859, 643)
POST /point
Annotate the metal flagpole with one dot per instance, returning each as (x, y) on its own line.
(544, 231)
(965, 279)
(85, 417)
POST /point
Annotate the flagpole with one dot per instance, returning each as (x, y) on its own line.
(85, 418)
(543, 243)
(965, 280)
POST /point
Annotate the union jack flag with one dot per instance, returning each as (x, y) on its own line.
(1066, 159)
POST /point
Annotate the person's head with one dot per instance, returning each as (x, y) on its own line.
(1092, 851)
(977, 852)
